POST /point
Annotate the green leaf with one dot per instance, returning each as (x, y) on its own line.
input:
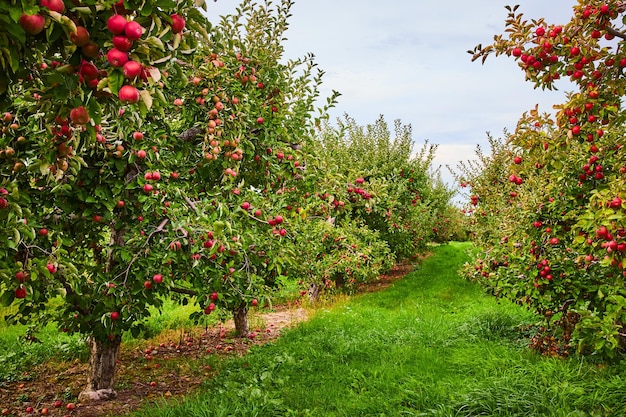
(7, 298)
(116, 80)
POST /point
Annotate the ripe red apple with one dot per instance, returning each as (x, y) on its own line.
(115, 315)
(33, 23)
(70, 406)
(45, 412)
(133, 30)
(53, 5)
(20, 276)
(116, 24)
(57, 403)
(91, 50)
(147, 285)
(141, 154)
(88, 70)
(278, 219)
(257, 213)
(260, 120)
(81, 37)
(147, 188)
(79, 116)
(3, 203)
(245, 205)
(157, 278)
(178, 23)
(214, 296)
(254, 302)
(137, 135)
(122, 43)
(129, 94)
(52, 268)
(116, 57)
(517, 160)
(20, 292)
(132, 69)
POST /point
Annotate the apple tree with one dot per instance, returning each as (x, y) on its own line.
(80, 81)
(556, 237)
(244, 116)
(367, 179)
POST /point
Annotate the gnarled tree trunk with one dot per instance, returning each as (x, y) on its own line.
(240, 315)
(101, 374)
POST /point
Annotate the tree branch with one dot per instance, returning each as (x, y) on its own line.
(184, 291)
(616, 32)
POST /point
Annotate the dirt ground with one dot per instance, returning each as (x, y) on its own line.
(171, 365)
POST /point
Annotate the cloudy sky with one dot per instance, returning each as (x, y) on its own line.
(407, 60)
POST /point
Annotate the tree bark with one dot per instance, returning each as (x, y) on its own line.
(101, 374)
(314, 292)
(240, 316)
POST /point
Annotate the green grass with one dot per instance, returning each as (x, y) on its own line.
(431, 345)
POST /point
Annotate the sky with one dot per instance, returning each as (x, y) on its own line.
(407, 60)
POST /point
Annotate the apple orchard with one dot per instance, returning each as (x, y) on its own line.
(147, 155)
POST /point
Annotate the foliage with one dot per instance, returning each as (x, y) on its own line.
(547, 204)
(384, 183)
(341, 254)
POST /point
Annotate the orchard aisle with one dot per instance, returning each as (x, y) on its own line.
(432, 344)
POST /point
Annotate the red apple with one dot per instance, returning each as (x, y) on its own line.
(53, 5)
(20, 292)
(57, 403)
(157, 278)
(116, 24)
(178, 23)
(89, 71)
(147, 285)
(254, 302)
(79, 116)
(133, 30)
(132, 69)
(245, 205)
(81, 37)
(20, 276)
(33, 23)
(147, 188)
(129, 94)
(3, 203)
(52, 268)
(120, 204)
(116, 57)
(122, 43)
(214, 296)
(141, 154)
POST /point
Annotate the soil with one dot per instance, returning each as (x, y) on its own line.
(171, 365)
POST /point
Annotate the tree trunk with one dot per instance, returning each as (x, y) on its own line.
(314, 292)
(101, 373)
(240, 315)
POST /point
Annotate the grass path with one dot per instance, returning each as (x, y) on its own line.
(430, 345)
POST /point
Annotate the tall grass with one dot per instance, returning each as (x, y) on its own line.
(431, 345)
